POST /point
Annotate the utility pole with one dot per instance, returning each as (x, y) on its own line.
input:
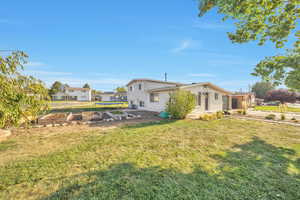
(166, 77)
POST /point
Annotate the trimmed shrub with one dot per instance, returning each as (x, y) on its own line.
(180, 104)
(208, 117)
(271, 117)
(282, 117)
(220, 115)
(293, 119)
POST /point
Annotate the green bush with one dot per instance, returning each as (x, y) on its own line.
(180, 104)
(271, 117)
(282, 117)
(209, 117)
(220, 114)
(293, 119)
(244, 112)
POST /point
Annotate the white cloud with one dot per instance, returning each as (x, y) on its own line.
(38, 72)
(185, 44)
(81, 81)
(34, 64)
(207, 75)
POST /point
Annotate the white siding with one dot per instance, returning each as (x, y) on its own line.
(213, 105)
(137, 95)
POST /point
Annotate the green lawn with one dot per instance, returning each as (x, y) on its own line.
(275, 109)
(222, 159)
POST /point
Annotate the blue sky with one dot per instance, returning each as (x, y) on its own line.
(107, 43)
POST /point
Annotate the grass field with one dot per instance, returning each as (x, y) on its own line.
(222, 159)
(275, 109)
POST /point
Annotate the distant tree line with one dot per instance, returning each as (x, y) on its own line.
(267, 91)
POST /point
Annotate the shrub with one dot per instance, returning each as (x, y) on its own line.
(219, 115)
(293, 119)
(271, 117)
(244, 112)
(181, 103)
(226, 112)
(208, 117)
(282, 117)
(22, 98)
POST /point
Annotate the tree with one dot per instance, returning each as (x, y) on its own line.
(22, 97)
(261, 88)
(181, 103)
(86, 86)
(120, 89)
(268, 20)
(282, 95)
(56, 87)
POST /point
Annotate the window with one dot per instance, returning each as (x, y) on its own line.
(130, 88)
(154, 97)
(199, 98)
(131, 102)
(140, 86)
(142, 104)
(216, 96)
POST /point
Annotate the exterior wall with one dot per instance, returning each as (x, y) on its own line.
(213, 104)
(80, 95)
(136, 95)
(106, 97)
(59, 96)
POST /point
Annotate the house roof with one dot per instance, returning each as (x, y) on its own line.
(151, 80)
(79, 89)
(162, 89)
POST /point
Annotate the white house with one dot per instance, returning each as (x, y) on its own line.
(153, 95)
(73, 94)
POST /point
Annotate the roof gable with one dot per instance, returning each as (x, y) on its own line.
(154, 81)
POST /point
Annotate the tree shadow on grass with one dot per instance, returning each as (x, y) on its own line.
(255, 170)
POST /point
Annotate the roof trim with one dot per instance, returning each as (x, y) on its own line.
(163, 89)
(73, 88)
(208, 84)
(152, 80)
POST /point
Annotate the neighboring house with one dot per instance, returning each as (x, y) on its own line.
(112, 96)
(239, 97)
(73, 94)
(153, 95)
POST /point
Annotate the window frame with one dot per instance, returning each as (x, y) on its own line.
(199, 99)
(216, 96)
(142, 104)
(154, 97)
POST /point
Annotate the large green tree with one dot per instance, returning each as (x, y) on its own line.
(261, 89)
(56, 87)
(23, 98)
(86, 86)
(121, 89)
(262, 21)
